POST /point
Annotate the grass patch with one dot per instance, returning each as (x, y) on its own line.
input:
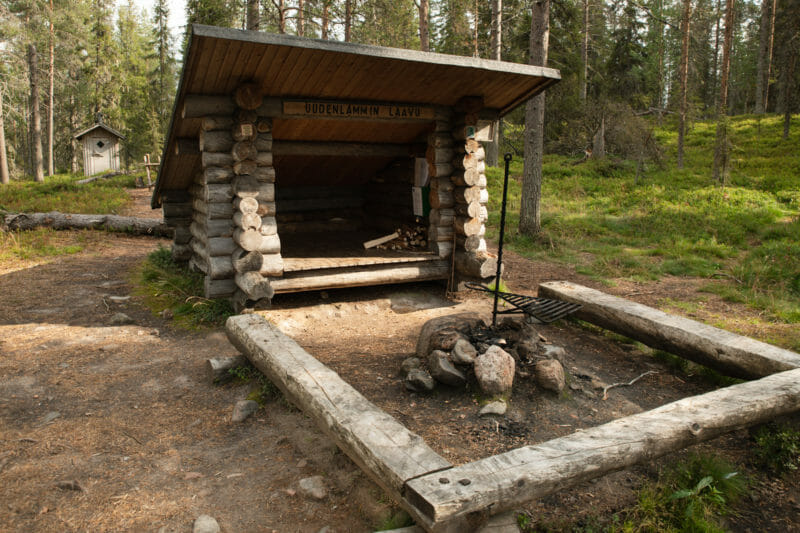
(778, 448)
(692, 495)
(62, 193)
(597, 217)
(40, 243)
(165, 284)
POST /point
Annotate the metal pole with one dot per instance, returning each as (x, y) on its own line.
(507, 159)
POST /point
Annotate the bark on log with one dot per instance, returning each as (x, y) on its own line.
(388, 452)
(56, 220)
(440, 233)
(721, 350)
(181, 210)
(266, 209)
(247, 220)
(249, 187)
(218, 368)
(245, 168)
(441, 217)
(216, 193)
(216, 141)
(439, 155)
(476, 265)
(248, 96)
(440, 140)
(442, 249)
(264, 159)
(216, 159)
(244, 150)
(440, 170)
(216, 267)
(508, 480)
(469, 226)
(442, 184)
(245, 205)
(182, 235)
(263, 143)
(254, 285)
(218, 288)
(217, 174)
(211, 228)
(440, 199)
(213, 210)
(213, 246)
(199, 106)
(216, 123)
(265, 174)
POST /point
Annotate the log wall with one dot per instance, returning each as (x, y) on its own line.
(226, 226)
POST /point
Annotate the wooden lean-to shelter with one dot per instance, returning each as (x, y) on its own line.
(286, 154)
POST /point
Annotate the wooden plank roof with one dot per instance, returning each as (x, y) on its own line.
(218, 60)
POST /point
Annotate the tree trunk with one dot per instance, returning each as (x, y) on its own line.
(4, 177)
(769, 53)
(788, 85)
(36, 118)
(585, 52)
(475, 17)
(684, 75)
(281, 16)
(348, 19)
(424, 34)
(493, 148)
(51, 98)
(253, 20)
(530, 222)
(716, 51)
(721, 149)
(56, 220)
(325, 19)
(599, 140)
(763, 52)
(301, 18)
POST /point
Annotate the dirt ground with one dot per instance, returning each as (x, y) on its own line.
(117, 428)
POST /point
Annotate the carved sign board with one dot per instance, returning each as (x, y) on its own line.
(356, 110)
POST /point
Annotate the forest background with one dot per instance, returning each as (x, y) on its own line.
(622, 63)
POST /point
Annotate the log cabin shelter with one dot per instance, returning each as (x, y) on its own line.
(285, 155)
(101, 146)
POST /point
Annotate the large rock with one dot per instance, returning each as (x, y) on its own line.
(550, 375)
(494, 371)
(313, 487)
(461, 322)
(443, 370)
(409, 364)
(418, 380)
(464, 353)
(205, 524)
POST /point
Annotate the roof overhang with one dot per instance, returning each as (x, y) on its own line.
(218, 60)
(90, 129)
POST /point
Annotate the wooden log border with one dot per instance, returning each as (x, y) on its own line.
(443, 497)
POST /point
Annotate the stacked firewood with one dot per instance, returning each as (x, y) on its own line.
(410, 237)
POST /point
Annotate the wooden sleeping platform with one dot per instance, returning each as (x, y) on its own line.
(328, 260)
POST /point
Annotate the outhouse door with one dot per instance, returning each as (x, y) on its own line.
(101, 154)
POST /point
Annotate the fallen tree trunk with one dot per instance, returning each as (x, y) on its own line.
(56, 220)
(731, 354)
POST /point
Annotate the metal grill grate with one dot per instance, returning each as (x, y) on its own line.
(542, 309)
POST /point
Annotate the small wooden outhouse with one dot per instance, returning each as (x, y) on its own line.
(101, 147)
(285, 155)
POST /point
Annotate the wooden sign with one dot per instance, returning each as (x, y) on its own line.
(357, 110)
